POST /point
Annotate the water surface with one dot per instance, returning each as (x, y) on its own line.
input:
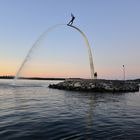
(32, 111)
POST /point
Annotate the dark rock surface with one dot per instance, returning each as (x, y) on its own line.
(98, 85)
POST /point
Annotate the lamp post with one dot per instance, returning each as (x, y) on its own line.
(124, 72)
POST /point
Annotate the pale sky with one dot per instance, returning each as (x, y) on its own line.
(112, 27)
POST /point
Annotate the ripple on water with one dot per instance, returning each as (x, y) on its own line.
(38, 113)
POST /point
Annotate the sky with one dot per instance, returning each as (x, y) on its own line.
(111, 26)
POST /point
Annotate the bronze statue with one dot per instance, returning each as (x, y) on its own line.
(71, 21)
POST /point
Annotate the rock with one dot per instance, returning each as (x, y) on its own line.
(92, 86)
(77, 84)
(97, 85)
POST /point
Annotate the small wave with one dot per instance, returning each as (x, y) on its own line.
(26, 85)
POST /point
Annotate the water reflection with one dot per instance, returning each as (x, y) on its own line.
(90, 118)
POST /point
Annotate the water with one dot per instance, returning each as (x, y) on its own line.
(32, 111)
(40, 40)
(33, 48)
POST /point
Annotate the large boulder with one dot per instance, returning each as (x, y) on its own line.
(77, 85)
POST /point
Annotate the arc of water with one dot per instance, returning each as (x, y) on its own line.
(35, 45)
(40, 39)
(89, 50)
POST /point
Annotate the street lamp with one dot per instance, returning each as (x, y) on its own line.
(124, 72)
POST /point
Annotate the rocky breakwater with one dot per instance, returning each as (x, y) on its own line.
(97, 85)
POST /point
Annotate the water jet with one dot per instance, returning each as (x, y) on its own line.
(43, 36)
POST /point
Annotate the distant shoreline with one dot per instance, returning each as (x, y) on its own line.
(45, 78)
(31, 78)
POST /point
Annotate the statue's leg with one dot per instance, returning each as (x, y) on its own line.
(69, 23)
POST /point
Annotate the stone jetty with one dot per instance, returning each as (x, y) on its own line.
(97, 85)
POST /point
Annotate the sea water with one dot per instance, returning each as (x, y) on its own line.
(30, 110)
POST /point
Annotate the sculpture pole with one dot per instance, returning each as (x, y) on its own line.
(89, 50)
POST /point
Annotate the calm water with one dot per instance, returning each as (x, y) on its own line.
(31, 111)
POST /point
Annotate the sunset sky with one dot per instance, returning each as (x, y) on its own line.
(112, 27)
